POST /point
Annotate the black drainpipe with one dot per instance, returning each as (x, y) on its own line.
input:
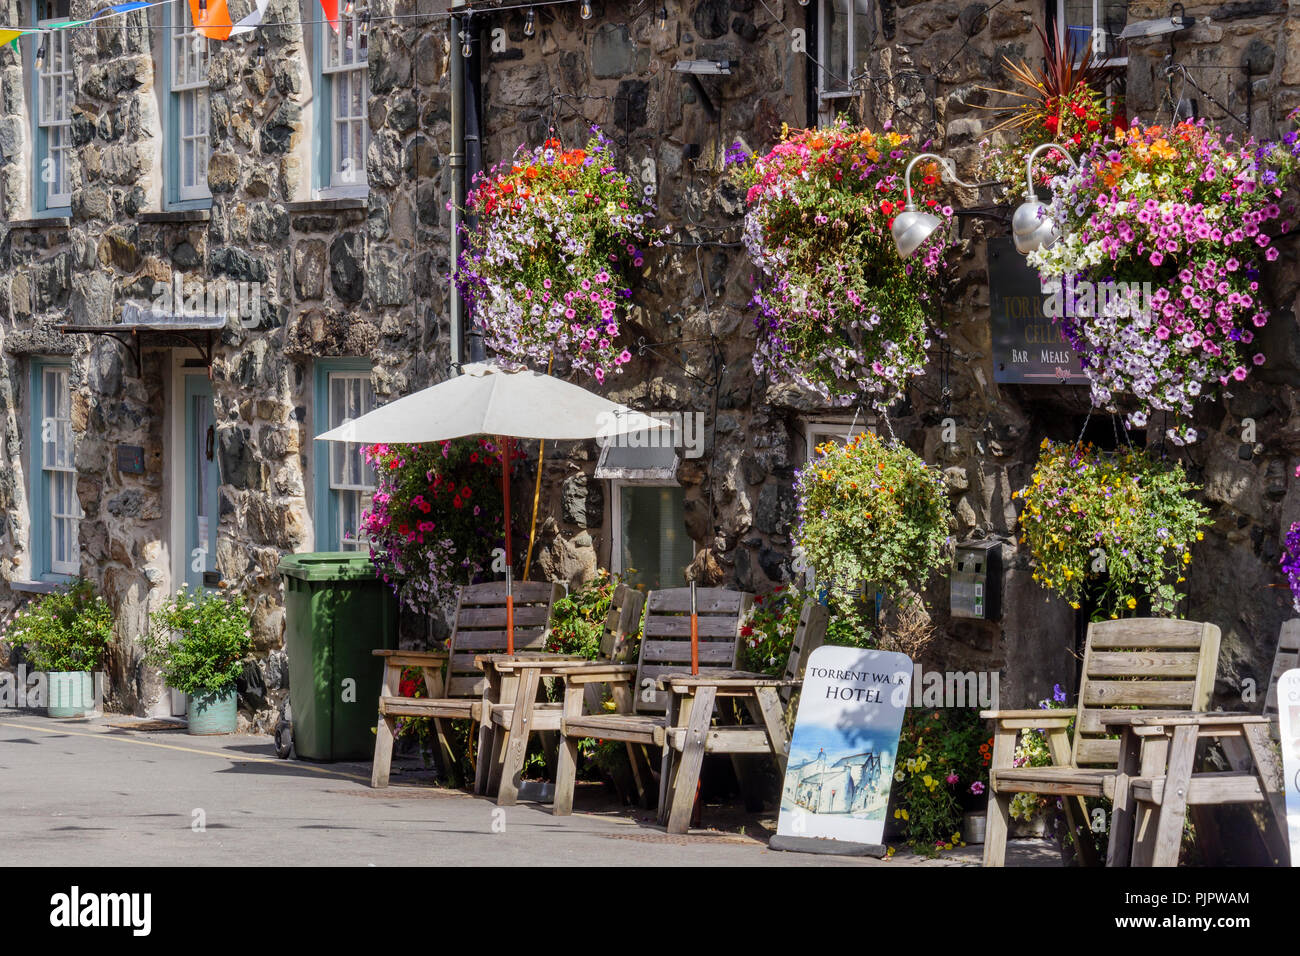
(473, 88)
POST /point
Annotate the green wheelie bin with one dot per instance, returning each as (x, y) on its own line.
(336, 613)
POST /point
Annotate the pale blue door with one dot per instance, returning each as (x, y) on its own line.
(201, 482)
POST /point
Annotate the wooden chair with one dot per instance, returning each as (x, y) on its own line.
(452, 678)
(641, 716)
(510, 709)
(766, 699)
(1166, 666)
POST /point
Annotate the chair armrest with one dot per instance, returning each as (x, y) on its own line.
(733, 680)
(593, 672)
(1059, 713)
(412, 658)
(1209, 720)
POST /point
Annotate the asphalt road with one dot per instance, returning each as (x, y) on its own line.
(99, 792)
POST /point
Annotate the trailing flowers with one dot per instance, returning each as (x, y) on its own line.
(869, 513)
(436, 516)
(545, 269)
(840, 313)
(1116, 527)
(1181, 208)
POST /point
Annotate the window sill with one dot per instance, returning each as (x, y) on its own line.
(176, 215)
(327, 205)
(33, 587)
(41, 222)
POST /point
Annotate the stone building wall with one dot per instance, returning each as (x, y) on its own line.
(367, 278)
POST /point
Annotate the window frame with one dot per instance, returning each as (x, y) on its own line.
(616, 486)
(331, 181)
(1060, 30)
(826, 96)
(44, 202)
(177, 195)
(329, 533)
(41, 493)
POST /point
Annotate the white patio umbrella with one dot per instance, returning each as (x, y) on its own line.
(490, 400)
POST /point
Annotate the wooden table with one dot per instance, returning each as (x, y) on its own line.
(691, 734)
(510, 714)
(1156, 784)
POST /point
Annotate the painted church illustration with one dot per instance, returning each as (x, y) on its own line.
(851, 784)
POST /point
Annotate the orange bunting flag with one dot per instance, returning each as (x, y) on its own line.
(331, 10)
(213, 22)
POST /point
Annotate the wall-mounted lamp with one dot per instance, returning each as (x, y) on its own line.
(912, 226)
(1031, 228)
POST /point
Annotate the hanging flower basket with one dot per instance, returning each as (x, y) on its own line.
(1117, 526)
(1162, 242)
(436, 517)
(545, 270)
(870, 512)
(1291, 563)
(840, 314)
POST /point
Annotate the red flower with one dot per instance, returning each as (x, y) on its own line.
(457, 502)
(887, 208)
(747, 631)
(1052, 122)
(1093, 125)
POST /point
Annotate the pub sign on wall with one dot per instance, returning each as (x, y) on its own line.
(1028, 347)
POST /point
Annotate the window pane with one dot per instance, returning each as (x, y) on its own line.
(655, 548)
(835, 53)
(862, 30)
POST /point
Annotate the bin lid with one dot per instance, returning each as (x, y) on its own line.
(328, 566)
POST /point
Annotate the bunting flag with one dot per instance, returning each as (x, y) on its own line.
(251, 21)
(7, 34)
(331, 10)
(214, 22)
(123, 8)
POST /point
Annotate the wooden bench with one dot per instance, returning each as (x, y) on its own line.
(1159, 665)
(766, 699)
(510, 708)
(453, 680)
(641, 716)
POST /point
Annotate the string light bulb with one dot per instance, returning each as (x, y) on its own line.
(203, 7)
(530, 22)
(261, 52)
(347, 8)
(363, 26)
(465, 49)
(803, 3)
(663, 17)
(584, 11)
(40, 57)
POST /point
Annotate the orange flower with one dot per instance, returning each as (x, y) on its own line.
(531, 172)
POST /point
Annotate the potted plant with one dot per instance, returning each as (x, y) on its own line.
(65, 635)
(1113, 526)
(544, 270)
(840, 314)
(199, 641)
(869, 512)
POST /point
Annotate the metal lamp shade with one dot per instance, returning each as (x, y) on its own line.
(1032, 228)
(911, 228)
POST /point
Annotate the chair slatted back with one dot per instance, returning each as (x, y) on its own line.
(622, 624)
(666, 640)
(480, 628)
(1286, 658)
(1150, 663)
(808, 636)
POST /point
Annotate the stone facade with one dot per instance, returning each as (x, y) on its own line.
(367, 279)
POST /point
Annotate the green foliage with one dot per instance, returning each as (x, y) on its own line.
(870, 513)
(1122, 523)
(768, 630)
(215, 636)
(578, 618)
(66, 630)
(943, 760)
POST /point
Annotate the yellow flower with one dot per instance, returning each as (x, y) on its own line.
(610, 705)
(1187, 557)
(1200, 536)
(1132, 603)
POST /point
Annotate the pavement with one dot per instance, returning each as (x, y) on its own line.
(123, 791)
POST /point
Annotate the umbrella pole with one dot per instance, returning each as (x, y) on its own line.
(505, 503)
(537, 488)
(695, 634)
